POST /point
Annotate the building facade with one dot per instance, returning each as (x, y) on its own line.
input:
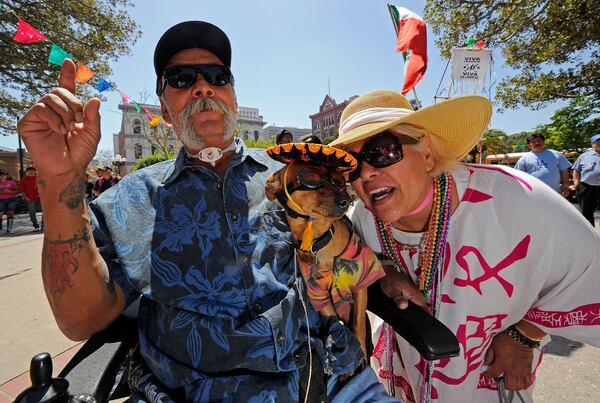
(250, 124)
(11, 162)
(326, 122)
(132, 141)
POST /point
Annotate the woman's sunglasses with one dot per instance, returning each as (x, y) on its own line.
(380, 152)
(312, 179)
(185, 76)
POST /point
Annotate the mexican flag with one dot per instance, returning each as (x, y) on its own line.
(412, 42)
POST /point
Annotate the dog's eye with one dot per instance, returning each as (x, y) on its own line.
(311, 177)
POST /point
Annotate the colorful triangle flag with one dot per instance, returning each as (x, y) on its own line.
(84, 73)
(148, 114)
(57, 55)
(138, 107)
(103, 85)
(27, 34)
(155, 121)
(412, 39)
(124, 97)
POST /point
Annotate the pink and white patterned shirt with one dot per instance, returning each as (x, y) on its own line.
(516, 250)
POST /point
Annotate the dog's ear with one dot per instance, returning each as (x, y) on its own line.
(273, 185)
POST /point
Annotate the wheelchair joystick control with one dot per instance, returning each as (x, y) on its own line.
(44, 388)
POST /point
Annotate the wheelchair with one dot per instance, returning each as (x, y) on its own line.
(96, 372)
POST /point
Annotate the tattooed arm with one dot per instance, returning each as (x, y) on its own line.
(62, 134)
(83, 297)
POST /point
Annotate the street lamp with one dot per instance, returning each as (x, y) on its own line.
(118, 161)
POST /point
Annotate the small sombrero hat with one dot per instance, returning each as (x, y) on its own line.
(318, 154)
(457, 122)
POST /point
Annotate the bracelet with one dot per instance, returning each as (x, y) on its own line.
(520, 330)
(520, 338)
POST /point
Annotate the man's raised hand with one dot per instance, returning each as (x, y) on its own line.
(62, 134)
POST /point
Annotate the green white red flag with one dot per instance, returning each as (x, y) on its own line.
(412, 43)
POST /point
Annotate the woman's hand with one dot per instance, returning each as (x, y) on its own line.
(511, 358)
(401, 289)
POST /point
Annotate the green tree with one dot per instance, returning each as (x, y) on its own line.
(495, 141)
(572, 126)
(259, 143)
(518, 141)
(329, 135)
(149, 160)
(552, 45)
(104, 158)
(95, 32)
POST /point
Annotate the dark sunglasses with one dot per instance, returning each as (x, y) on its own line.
(185, 76)
(312, 179)
(380, 152)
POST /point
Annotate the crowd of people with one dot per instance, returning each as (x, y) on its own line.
(223, 311)
(27, 189)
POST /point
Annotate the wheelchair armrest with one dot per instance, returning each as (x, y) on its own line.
(432, 339)
(93, 369)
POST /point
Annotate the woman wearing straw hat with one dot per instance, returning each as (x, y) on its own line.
(474, 240)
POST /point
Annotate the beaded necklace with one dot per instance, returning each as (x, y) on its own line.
(431, 257)
(432, 248)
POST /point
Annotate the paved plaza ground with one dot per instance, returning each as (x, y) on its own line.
(570, 371)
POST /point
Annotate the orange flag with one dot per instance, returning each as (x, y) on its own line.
(84, 73)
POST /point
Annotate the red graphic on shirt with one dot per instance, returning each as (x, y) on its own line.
(399, 382)
(492, 384)
(475, 196)
(518, 253)
(379, 350)
(474, 336)
(585, 315)
(447, 299)
(502, 171)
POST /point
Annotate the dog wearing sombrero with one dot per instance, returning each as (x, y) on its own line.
(336, 265)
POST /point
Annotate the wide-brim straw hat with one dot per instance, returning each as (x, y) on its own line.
(457, 122)
(314, 153)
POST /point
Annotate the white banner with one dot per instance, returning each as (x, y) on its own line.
(471, 64)
(471, 69)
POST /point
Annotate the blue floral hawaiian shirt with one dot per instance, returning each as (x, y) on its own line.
(220, 313)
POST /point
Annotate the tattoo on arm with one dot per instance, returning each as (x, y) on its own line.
(74, 193)
(60, 260)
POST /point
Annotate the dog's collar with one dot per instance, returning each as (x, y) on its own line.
(318, 243)
(324, 239)
(282, 199)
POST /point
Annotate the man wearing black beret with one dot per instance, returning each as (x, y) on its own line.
(223, 314)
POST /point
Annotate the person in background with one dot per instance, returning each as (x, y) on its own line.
(29, 188)
(105, 180)
(284, 137)
(474, 240)
(89, 188)
(311, 139)
(549, 166)
(8, 200)
(586, 179)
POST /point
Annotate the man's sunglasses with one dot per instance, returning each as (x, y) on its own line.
(312, 179)
(185, 76)
(380, 152)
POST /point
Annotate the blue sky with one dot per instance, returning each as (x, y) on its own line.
(285, 51)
